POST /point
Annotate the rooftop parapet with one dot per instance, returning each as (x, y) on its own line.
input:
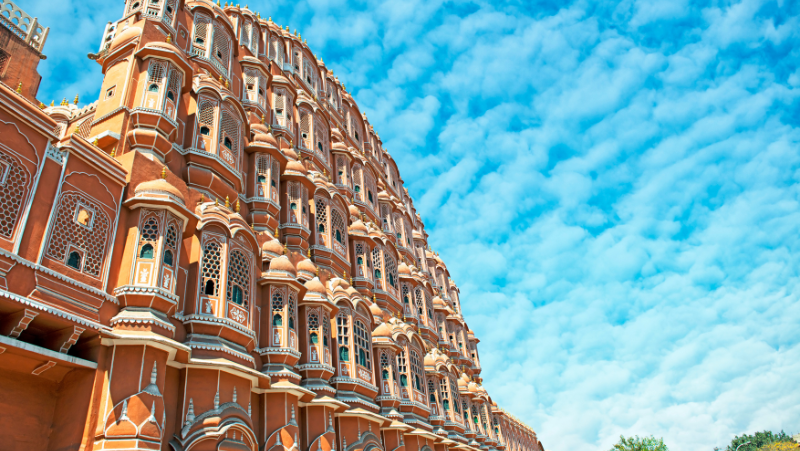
(23, 25)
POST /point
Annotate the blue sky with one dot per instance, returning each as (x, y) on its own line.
(614, 186)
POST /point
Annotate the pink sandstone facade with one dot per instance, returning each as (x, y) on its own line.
(219, 254)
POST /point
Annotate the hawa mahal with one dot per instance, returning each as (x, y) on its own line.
(219, 254)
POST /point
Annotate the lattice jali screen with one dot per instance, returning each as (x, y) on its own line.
(377, 265)
(67, 231)
(391, 271)
(313, 321)
(229, 128)
(338, 232)
(321, 138)
(245, 40)
(293, 192)
(305, 129)
(418, 301)
(292, 301)
(86, 127)
(13, 187)
(322, 222)
(239, 274)
(156, 72)
(200, 39)
(211, 266)
(250, 84)
(172, 237)
(149, 232)
(206, 115)
(277, 302)
(222, 47)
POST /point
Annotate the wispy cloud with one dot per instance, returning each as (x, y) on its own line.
(614, 186)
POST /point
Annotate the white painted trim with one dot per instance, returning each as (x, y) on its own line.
(46, 236)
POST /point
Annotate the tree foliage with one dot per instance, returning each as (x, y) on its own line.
(758, 441)
(779, 446)
(640, 444)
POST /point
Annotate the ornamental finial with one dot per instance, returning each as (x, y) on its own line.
(227, 202)
(19, 88)
(76, 98)
(164, 172)
(236, 208)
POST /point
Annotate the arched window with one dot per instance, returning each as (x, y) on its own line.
(239, 279)
(277, 309)
(416, 370)
(321, 138)
(210, 269)
(431, 393)
(418, 302)
(230, 131)
(384, 367)
(305, 129)
(321, 207)
(362, 339)
(221, 50)
(445, 395)
(146, 251)
(313, 329)
(201, 29)
(279, 103)
(291, 310)
(206, 114)
(377, 264)
(74, 260)
(147, 238)
(358, 180)
(338, 230)
(456, 396)
(402, 368)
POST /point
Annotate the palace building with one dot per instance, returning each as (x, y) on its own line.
(219, 254)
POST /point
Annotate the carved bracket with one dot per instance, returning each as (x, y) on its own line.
(14, 323)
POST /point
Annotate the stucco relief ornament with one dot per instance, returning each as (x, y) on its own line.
(190, 413)
(237, 315)
(124, 415)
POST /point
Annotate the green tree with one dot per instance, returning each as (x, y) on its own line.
(757, 440)
(640, 444)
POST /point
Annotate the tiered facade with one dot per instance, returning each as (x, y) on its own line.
(219, 254)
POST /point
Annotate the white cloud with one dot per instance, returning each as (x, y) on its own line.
(613, 186)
